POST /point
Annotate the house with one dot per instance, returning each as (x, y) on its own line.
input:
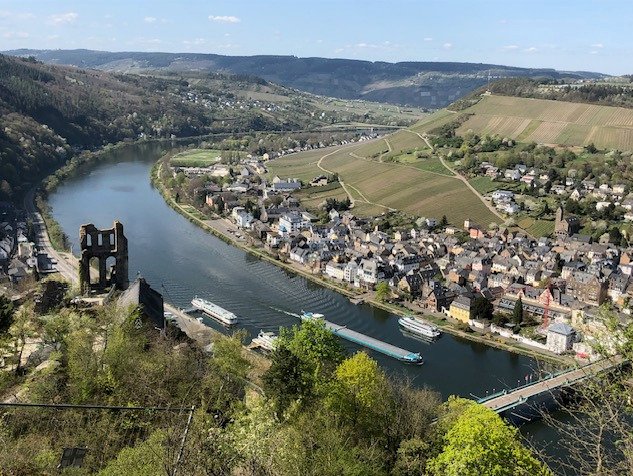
(319, 181)
(350, 272)
(560, 337)
(587, 288)
(286, 185)
(512, 174)
(460, 309)
(242, 218)
(502, 195)
(290, 223)
(436, 297)
(335, 270)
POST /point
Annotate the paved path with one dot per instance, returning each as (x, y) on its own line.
(67, 264)
(542, 386)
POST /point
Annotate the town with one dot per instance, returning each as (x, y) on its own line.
(545, 294)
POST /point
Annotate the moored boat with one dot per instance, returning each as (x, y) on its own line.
(417, 327)
(213, 310)
(266, 340)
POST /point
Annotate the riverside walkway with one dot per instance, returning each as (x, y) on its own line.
(509, 399)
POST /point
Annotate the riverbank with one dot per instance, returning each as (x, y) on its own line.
(226, 231)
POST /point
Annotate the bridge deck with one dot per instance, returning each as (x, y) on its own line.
(521, 394)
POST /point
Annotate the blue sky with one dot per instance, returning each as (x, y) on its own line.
(592, 35)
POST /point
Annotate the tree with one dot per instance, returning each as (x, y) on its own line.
(517, 312)
(383, 291)
(284, 381)
(477, 442)
(7, 310)
(318, 349)
(21, 330)
(360, 394)
(482, 308)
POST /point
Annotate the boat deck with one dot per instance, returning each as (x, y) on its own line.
(373, 343)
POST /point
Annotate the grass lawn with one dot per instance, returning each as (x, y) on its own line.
(196, 158)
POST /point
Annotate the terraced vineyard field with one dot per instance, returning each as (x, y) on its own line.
(550, 122)
(380, 186)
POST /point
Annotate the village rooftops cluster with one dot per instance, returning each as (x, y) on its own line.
(444, 270)
(19, 257)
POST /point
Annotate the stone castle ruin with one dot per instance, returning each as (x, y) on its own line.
(104, 258)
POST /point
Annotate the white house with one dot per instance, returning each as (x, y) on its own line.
(290, 222)
(335, 270)
(501, 195)
(560, 337)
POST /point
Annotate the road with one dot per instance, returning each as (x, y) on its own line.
(67, 264)
(543, 386)
(460, 176)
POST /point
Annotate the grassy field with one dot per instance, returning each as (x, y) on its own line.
(437, 119)
(551, 122)
(406, 187)
(537, 227)
(196, 158)
(483, 184)
(313, 197)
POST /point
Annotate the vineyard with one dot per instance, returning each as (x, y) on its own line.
(418, 186)
(551, 122)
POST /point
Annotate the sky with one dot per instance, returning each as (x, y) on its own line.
(587, 35)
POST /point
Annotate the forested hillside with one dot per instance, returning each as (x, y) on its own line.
(416, 83)
(50, 113)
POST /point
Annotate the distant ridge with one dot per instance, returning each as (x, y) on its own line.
(423, 84)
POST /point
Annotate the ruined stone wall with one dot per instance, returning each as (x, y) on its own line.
(101, 245)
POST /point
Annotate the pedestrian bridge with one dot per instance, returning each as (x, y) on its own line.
(506, 401)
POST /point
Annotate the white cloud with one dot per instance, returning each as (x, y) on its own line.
(597, 45)
(224, 19)
(593, 52)
(503, 21)
(197, 41)
(63, 18)
(52, 37)
(428, 38)
(447, 46)
(14, 35)
(531, 49)
(510, 48)
(149, 19)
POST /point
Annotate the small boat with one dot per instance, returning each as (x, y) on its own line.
(417, 327)
(266, 340)
(218, 313)
(306, 316)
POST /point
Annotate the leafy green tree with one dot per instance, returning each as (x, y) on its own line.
(318, 349)
(478, 442)
(482, 308)
(517, 312)
(383, 291)
(360, 394)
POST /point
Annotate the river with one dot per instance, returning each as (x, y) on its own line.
(180, 260)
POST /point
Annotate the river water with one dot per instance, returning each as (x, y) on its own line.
(180, 260)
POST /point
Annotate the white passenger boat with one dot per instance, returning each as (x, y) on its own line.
(266, 340)
(420, 328)
(213, 310)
